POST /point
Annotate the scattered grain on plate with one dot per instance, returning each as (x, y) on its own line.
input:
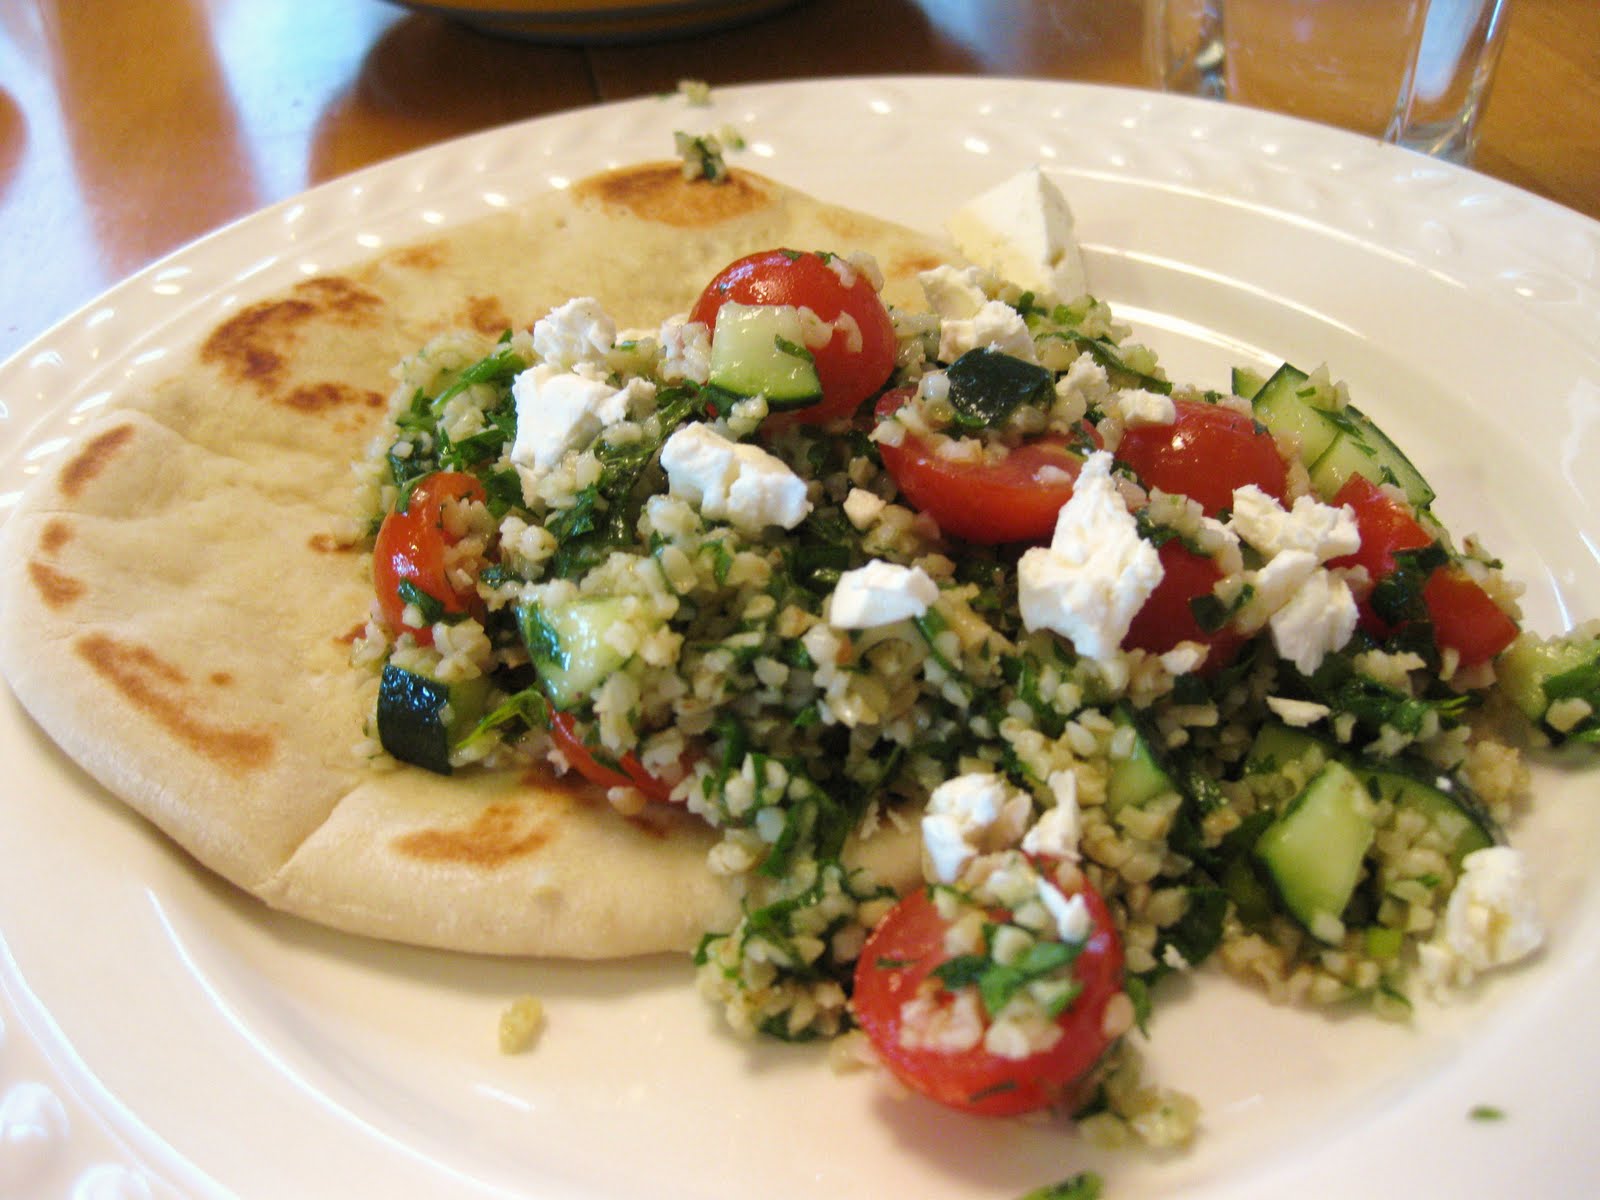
(520, 1024)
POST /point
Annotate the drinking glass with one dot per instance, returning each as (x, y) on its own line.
(1413, 72)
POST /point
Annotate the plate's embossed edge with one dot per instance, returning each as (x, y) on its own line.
(51, 1144)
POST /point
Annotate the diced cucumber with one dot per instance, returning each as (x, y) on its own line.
(1277, 746)
(1445, 802)
(1246, 382)
(1314, 852)
(420, 720)
(759, 350)
(1334, 444)
(1364, 449)
(1285, 405)
(568, 645)
(1141, 777)
(1455, 813)
(1537, 673)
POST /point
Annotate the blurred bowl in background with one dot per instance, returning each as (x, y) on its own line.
(598, 21)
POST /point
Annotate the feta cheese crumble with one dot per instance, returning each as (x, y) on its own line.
(1491, 920)
(1311, 610)
(1319, 619)
(733, 481)
(995, 325)
(968, 816)
(1136, 407)
(579, 331)
(1097, 571)
(1055, 834)
(954, 293)
(560, 410)
(1022, 230)
(686, 350)
(1311, 526)
(880, 593)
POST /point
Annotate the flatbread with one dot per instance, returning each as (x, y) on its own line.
(182, 617)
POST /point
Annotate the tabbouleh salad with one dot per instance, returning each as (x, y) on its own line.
(1164, 675)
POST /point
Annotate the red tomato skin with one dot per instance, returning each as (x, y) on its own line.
(1005, 502)
(564, 733)
(1465, 618)
(909, 944)
(1386, 526)
(788, 277)
(1204, 454)
(1167, 618)
(410, 547)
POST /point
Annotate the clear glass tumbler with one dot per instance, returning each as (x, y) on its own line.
(1413, 72)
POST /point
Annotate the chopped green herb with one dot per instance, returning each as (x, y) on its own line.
(1085, 1186)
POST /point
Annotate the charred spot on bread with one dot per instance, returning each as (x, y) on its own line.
(160, 689)
(254, 345)
(84, 466)
(57, 589)
(500, 834)
(659, 192)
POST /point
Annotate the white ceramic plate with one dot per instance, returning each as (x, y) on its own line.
(163, 1035)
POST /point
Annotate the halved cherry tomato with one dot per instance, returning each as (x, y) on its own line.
(908, 945)
(1465, 618)
(1206, 453)
(1167, 617)
(411, 547)
(564, 733)
(857, 361)
(1013, 500)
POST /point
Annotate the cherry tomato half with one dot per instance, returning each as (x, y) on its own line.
(410, 549)
(564, 733)
(1206, 453)
(908, 945)
(1167, 617)
(856, 362)
(1014, 500)
(1465, 618)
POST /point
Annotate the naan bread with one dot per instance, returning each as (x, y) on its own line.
(182, 616)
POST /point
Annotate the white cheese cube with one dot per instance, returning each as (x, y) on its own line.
(1279, 579)
(560, 410)
(1022, 230)
(685, 350)
(967, 816)
(1491, 918)
(995, 325)
(953, 292)
(1070, 913)
(1310, 526)
(1316, 621)
(1097, 571)
(732, 481)
(1136, 407)
(578, 331)
(880, 593)
(1055, 834)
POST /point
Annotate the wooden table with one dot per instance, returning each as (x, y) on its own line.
(129, 127)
